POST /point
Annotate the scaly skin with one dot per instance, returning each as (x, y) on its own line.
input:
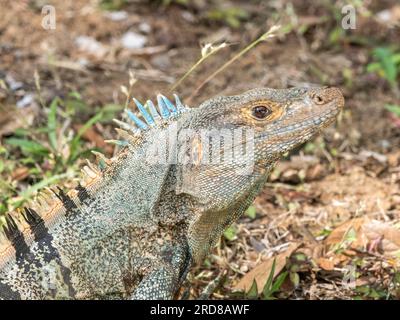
(132, 230)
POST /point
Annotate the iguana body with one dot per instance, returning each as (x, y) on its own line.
(133, 229)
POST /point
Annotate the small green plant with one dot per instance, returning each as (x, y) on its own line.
(271, 286)
(395, 109)
(112, 5)
(386, 64)
(180, 2)
(368, 292)
(297, 262)
(52, 148)
(232, 16)
(230, 233)
(251, 212)
(349, 237)
(379, 291)
(47, 153)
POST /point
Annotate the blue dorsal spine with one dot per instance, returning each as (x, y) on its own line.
(153, 111)
(162, 100)
(150, 115)
(179, 105)
(147, 117)
(135, 119)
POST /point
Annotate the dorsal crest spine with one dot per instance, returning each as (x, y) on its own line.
(151, 116)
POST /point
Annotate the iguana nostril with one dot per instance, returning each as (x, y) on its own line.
(326, 95)
(318, 99)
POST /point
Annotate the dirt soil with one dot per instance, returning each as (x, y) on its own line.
(330, 206)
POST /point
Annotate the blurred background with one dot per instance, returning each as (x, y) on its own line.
(327, 223)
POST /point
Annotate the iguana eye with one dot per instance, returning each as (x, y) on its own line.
(261, 112)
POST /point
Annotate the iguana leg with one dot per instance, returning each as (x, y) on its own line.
(161, 284)
(214, 284)
(186, 286)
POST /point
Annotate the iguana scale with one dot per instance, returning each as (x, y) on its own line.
(134, 224)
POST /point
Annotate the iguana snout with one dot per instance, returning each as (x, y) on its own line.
(322, 100)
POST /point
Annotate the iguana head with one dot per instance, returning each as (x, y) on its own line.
(258, 126)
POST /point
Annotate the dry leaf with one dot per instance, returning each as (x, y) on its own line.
(20, 173)
(387, 236)
(338, 235)
(313, 250)
(261, 272)
(16, 118)
(394, 158)
(326, 264)
(371, 235)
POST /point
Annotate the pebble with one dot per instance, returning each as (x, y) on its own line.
(133, 40)
(117, 15)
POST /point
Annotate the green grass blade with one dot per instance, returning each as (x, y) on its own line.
(384, 55)
(253, 292)
(395, 109)
(29, 192)
(278, 282)
(28, 146)
(268, 284)
(52, 124)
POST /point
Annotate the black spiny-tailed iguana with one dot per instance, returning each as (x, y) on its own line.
(134, 225)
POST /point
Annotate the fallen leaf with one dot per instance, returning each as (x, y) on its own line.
(313, 250)
(14, 118)
(387, 235)
(316, 172)
(326, 264)
(394, 158)
(261, 272)
(371, 235)
(338, 235)
(20, 173)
